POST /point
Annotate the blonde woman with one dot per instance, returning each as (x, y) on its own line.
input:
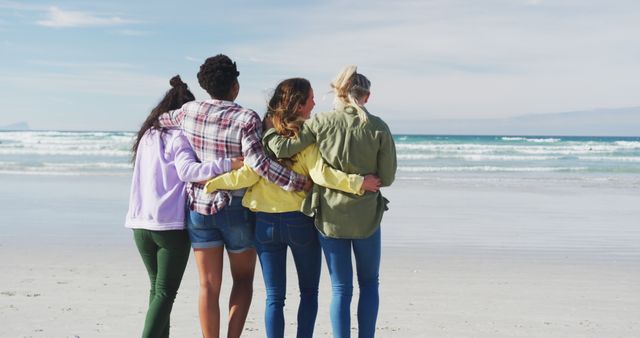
(352, 140)
(279, 223)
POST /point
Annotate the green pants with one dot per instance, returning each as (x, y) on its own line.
(165, 255)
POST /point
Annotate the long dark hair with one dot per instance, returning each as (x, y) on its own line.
(178, 95)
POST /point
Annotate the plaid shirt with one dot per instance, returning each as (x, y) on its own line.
(223, 129)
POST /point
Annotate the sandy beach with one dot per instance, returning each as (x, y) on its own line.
(461, 258)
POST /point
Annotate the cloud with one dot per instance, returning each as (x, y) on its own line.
(132, 32)
(462, 58)
(104, 78)
(83, 66)
(20, 6)
(61, 18)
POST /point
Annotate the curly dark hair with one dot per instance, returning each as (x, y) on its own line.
(217, 76)
(178, 95)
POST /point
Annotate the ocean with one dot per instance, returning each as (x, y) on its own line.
(420, 157)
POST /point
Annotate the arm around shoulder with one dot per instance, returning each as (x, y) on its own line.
(285, 147)
(264, 166)
(172, 118)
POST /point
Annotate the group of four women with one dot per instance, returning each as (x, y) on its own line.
(305, 184)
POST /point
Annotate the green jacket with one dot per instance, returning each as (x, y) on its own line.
(354, 148)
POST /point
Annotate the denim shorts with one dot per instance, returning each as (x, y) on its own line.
(233, 227)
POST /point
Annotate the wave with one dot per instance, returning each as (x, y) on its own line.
(51, 167)
(492, 169)
(107, 152)
(628, 144)
(476, 158)
(59, 173)
(564, 149)
(609, 159)
(534, 140)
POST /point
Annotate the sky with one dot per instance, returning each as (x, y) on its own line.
(102, 65)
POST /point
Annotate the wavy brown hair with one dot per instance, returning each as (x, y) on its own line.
(288, 96)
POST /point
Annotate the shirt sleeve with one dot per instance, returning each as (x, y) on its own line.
(233, 180)
(188, 167)
(286, 147)
(255, 157)
(387, 161)
(172, 118)
(328, 177)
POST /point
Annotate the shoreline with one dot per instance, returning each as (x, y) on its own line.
(459, 260)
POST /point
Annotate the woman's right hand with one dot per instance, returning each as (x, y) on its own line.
(371, 183)
(237, 162)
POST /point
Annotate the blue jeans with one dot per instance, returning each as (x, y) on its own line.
(338, 255)
(274, 233)
(231, 227)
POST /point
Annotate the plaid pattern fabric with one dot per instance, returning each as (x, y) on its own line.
(224, 129)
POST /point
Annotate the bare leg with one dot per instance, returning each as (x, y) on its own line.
(209, 263)
(242, 269)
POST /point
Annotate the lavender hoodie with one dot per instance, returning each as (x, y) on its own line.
(163, 165)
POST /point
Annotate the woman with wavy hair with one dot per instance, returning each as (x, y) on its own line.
(352, 140)
(279, 223)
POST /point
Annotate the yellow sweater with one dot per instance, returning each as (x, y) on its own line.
(265, 196)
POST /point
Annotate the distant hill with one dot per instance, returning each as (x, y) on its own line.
(599, 122)
(16, 126)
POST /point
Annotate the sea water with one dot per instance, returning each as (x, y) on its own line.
(460, 193)
(420, 157)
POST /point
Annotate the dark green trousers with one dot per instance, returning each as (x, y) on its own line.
(165, 255)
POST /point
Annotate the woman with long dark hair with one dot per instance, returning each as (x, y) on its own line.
(163, 162)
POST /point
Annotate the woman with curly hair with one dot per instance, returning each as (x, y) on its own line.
(220, 128)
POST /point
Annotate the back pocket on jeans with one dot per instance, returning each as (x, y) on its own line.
(302, 234)
(264, 232)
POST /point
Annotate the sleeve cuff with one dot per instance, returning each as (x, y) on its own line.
(226, 165)
(355, 183)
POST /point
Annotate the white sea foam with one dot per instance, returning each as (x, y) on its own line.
(635, 159)
(58, 153)
(534, 140)
(491, 169)
(51, 167)
(65, 143)
(476, 158)
(573, 148)
(60, 173)
(628, 144)
(86, 151)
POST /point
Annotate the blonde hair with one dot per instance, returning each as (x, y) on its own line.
(349, 88)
